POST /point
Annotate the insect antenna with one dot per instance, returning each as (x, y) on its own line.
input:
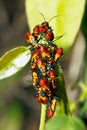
(53, 18)
(50, 18)
(42, 16)
(57, 38)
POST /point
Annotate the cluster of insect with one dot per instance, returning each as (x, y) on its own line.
(45, 56)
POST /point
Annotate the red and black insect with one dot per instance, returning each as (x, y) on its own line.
(43, 61)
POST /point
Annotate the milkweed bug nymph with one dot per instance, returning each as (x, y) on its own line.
(45, 57)
(49, 36)
(51, 108)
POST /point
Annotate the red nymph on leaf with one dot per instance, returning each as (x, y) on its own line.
(45, 56)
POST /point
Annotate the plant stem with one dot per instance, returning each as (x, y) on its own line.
(43, 116)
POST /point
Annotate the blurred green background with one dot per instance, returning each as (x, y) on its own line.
(18, 108)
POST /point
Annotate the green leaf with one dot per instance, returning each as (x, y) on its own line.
(63, 100)
(78, 124)
(62, 122)
(84, 30)
(83, 109)
(70, 15)
(83, 94)
(13, 61)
